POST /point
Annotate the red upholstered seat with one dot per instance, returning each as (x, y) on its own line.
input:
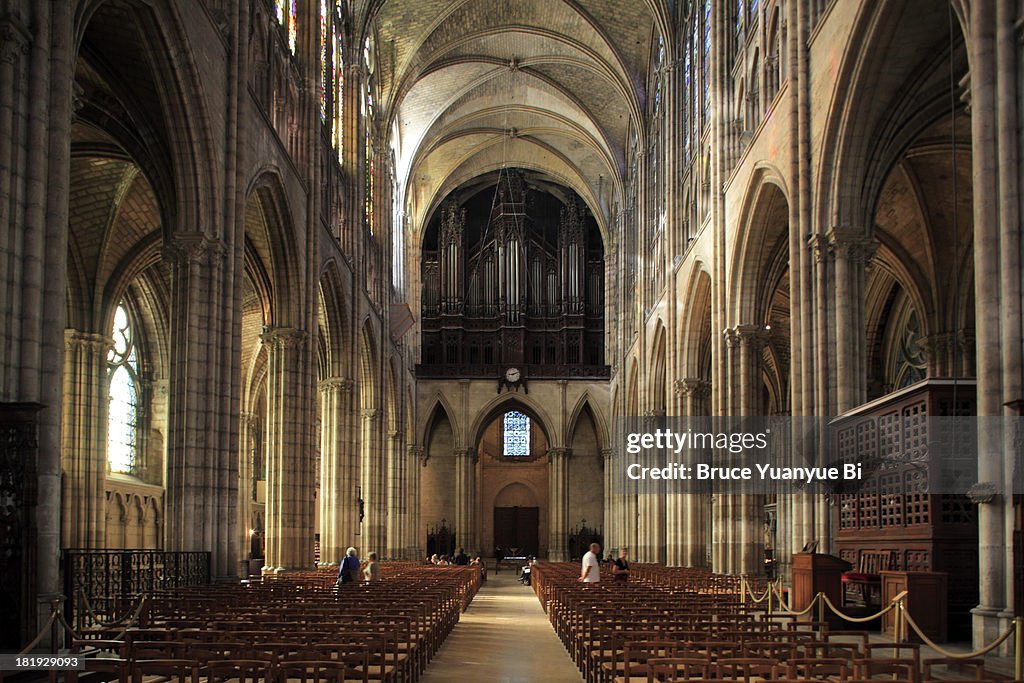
(860, 576)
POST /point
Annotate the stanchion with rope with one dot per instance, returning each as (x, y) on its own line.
(1018, 650)
(745, 588)
(1015, 629)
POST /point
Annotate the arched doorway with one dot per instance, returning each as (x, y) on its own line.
(512, 479)
(516, 515)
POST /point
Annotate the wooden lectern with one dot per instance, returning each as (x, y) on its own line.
(815, 573)
(926, 602)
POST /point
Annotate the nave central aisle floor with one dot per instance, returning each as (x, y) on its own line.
(504, 637)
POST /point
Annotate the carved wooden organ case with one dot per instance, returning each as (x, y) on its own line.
(515, 286)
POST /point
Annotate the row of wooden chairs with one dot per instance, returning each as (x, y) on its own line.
(670, 624)
(292, 627)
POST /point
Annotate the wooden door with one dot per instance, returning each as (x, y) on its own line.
(516, 530)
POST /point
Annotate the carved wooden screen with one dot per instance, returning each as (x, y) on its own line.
(894, 509)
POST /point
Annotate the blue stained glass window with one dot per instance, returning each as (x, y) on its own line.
(516, 434)
(122, 415)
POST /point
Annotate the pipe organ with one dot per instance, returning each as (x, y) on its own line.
(513, 276)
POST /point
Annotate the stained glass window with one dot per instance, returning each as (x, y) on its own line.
(516, 434)
(122, 416)
(287, 12)
(707, 57)
(326, 65)
(332, 70)
(370, 156)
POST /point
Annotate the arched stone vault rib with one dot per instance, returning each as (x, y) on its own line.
(437, 61)
(571, 99)
(659, 17)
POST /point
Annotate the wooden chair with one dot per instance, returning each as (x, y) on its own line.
(958, 665)
(890, 667)
(672, 669)
(315, 671)
(236, 671)
(746, 669)
(635, 655)
(863, 586)
(828, 668)
(160, 670)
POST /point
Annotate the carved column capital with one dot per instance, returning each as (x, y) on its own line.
(818, 244)
(557, 453)
(607, 453)
(370, 414)
(343, 384)
(87, 341)
(694, 386)
(191, 247)
(15, 40)
(420, 454)
(282, 337)
(852, 244)
(751, 336)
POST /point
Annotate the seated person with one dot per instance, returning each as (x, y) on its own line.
(524, 578)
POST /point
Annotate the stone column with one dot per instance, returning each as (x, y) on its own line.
(415, 534)
(852, 251)
(816, 514)
(339, 512)
(202, 468)
(290, 477)
(398, 496)
(246, 494)
(465, 499)
(610, 503)
(651, 506)
(84, 439)
(752, 339)
(695, 506)
(558, 504)
(372, 477)
(993, 39)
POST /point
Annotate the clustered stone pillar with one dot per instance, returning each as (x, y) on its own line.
(558, 504)
(289, 457)
(993, 36)
(415, 533)
(852, 251)
(201, 501)
(398, 496)
(84, 439)
(465, 499)
(339, 511)
(693, 526)
(611, 476)
(372, 473)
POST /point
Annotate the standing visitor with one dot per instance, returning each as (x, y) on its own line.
(590, 571)
(349, 570)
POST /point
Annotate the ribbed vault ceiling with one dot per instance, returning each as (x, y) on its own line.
(550, 85)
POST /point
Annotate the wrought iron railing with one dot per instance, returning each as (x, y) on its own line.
(106, 584)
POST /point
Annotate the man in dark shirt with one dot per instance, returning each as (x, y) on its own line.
(462, 558)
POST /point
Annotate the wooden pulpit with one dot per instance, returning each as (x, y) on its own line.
(815, 573)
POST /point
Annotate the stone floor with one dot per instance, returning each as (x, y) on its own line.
(504, 637)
